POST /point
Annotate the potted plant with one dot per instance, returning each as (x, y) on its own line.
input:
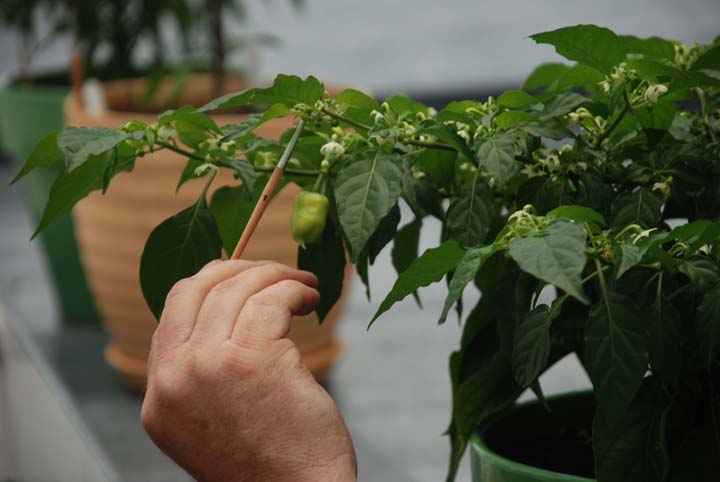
(569, 185)
(111, 246)
(31, 105)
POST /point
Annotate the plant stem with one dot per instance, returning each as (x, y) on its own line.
(613, 125)
(703, 110)
(340, 118)
(179, 150)
(431, 145)
(358, 125)
(191, 155)
(217, 42)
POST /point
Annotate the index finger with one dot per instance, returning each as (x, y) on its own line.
(186, 297)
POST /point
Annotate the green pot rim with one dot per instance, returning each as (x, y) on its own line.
(486, 453)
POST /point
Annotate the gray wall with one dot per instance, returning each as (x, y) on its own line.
(429, 44)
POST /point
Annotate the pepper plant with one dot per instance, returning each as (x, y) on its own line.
(568, 184)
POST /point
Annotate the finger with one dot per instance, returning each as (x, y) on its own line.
(267, 313)
(223, 304)
(186, 297)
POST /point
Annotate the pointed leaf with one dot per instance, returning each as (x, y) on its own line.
(532, 343)
(177, 249)
(71, 187)
(79, 143)
(471, 214)
(425, 270)
(465, 272)
(496, 155)
(707, 325)
(366, 190)
(45, 154)
(615, 351)
(287, 90)
(555, 255)
(591, 45)
(326, 259)
(643, 208)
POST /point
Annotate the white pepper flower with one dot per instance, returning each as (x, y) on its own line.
(465, 135)
(166, 133)
(552, 163)
(605, 86)
(332, 150)
(653, 92)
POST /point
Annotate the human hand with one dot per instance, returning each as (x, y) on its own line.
(228, 398)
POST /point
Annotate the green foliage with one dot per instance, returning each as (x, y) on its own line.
(638, 126)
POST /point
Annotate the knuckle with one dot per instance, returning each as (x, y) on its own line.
(180, 288)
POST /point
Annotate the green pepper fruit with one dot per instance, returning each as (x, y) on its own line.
(308, 217)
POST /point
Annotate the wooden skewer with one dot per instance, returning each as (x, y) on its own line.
(267, 193)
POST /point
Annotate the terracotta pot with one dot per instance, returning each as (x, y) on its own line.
(112, 230)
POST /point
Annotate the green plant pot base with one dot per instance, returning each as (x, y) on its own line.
(26, 115)
(530, 444)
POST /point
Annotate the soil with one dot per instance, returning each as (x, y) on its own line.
(558, 441)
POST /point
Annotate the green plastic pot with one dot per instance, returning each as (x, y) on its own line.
(530, 444)
(26, 115)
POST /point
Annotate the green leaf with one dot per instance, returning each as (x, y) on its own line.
(366, 190)
(326, 259)
(708, 60)
(252, 122)
(383, 234)
(643, 207)
(446, 134)
(580, 214)
(591, 45)
(556, 254)
(664, 340)
(680, 79)
(615, 351)
(487, 392)
(513, 118)
(707, 325)
(631, 445)
(79, 143)
(405, 245)
(425, 270)
(465, 272)
(550, 127)
(544, 75)
(532, 343)
(403, 104)
(561, 104)
(652, 47)
(188, 173)
(516, 99)
(231, 206)
(359, 106)
(71, 187)
(405, 249)
(471, 214)
(496, 155)
(703, 272)
(578, 76)
(245, 172)
(287, 90)
(176, 249)
(626, 256)
(45, 154)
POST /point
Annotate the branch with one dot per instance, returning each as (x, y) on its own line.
(192, 155)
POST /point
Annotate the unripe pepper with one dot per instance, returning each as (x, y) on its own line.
(309, 217)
